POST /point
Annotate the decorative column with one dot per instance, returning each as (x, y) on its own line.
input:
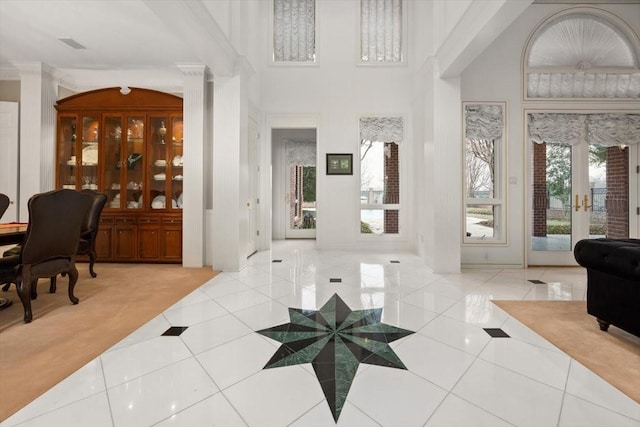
(230, 217)
(195, 137)
(38, 95)
(446, 227)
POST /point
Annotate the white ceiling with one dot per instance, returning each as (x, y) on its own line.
(119, 36)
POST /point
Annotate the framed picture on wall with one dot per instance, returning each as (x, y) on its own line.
(339, 164)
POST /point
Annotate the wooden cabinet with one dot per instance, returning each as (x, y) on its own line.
(129, 147)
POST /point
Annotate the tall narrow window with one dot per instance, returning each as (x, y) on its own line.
(381, 31)
(294, 30)
(380, 139)
(483, 175)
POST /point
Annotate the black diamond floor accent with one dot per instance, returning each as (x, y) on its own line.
(335, 280)
(538, 282)
(496, 333)
(394, 261)
(277, 260)
(335, 340)
(174, 331)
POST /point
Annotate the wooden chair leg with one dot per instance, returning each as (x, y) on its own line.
(52, 286)
(92, 260)
(24, 292)
(73, 278)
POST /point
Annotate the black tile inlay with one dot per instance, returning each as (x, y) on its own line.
(335, 280)
(394, 261)
(174, 331)
(335, 340)
(277, 260)
(496, 333)
(538, 282)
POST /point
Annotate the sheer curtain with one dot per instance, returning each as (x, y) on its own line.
(294, 33)
(381, 27)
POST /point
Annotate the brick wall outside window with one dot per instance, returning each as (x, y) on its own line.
(391, 189)
(540, 201)
(617, 199)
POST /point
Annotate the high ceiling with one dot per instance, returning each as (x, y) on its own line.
(119, 35)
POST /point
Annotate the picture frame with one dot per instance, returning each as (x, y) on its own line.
(339, 164)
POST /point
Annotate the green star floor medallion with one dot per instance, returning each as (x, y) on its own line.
(335, 340)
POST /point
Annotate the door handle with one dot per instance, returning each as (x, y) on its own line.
(585, 203)
(577, 205)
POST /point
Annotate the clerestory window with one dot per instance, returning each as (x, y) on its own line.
(294, 31)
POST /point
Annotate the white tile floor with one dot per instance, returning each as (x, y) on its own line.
(457, 375)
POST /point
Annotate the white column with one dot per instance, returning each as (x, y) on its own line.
(230, 181)
(195, 138)
(447, 174)
(38, 95)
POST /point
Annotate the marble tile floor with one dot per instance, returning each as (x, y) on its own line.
(433, 363)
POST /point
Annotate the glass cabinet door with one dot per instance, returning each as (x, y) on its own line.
(132, 163)
(88, 172)
(176, 167)
(67, 156)
(112, 177)
(158, 163)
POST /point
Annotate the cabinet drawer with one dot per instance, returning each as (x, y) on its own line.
(172, 221)
(148, 221)
(106, 220)
(125, 221)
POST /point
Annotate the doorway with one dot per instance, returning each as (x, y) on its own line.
(579, 190)
(294, 183)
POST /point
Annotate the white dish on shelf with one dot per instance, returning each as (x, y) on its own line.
(69, 186)
(160, 163)
(178, 178)
(160, 177)
(71, 162)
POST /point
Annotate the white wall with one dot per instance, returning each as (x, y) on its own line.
(496, 76)
(339, 92)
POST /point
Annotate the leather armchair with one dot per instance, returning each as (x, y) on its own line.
(50, 246)
(87, 243)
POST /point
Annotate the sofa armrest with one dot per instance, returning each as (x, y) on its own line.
(618, 257)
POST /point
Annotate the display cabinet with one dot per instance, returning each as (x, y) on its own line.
(129, 147)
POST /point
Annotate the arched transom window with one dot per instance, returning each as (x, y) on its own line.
(583, 53)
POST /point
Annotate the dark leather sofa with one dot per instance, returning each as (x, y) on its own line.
(613, 281)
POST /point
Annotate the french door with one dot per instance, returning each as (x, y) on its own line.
(579, 191)
(301, 202)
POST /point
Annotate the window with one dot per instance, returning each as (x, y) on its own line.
(294, 33)
(380, 139)
(582, 53)
(381, 31)
(484, 210)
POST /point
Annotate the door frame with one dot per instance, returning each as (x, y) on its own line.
(277, 215)
(253, 204)
(634, 184)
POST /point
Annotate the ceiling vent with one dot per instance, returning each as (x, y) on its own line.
(71, 42)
